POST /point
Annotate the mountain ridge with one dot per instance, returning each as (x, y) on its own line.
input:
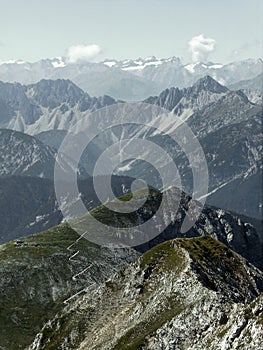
(147, 305)
(55, 267)
(134, 79)
(207, 107)
(26, 107)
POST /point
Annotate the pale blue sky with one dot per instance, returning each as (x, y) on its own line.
(34, 29)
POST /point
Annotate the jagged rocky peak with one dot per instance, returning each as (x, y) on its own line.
(182, 294)
(46, 105)
(168, 98)
(51, 93)
(209, 84)
(202, 93)
(171, 94)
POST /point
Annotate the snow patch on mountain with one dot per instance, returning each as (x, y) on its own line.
(129, 79)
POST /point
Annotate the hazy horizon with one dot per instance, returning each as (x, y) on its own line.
(218, 32)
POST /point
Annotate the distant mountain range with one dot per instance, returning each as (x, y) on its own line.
(227, 123)
(58, 104)
(200, 289)
(46, 105)
(130, 79)
(249, 84)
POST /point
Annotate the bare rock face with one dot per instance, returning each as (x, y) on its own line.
(22, 154)
(185, 293)
(243, 330)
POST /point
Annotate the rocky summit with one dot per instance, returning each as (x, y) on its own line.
(42, 273)
(183, 294)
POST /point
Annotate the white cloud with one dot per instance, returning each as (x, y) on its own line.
(78, 53)
(200, 47)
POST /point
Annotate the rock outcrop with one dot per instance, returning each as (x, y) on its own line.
(185, 293)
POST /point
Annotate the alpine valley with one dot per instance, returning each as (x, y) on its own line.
(199, 289)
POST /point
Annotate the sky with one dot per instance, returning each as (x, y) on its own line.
(219, 31)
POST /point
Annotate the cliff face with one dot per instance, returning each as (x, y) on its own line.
(225, 226)
(185, 293)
